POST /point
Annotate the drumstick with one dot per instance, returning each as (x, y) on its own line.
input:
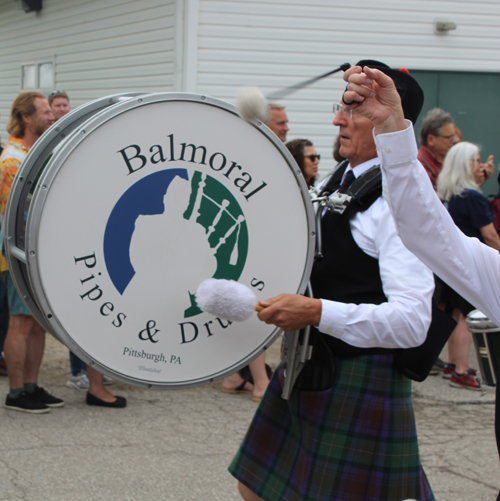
(279, 94)
(227, 299)
(253, 105)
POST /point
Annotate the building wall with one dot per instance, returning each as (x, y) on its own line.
(98, 47)
(102, 47)
(278, 43)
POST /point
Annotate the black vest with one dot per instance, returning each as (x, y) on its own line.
(346, 273)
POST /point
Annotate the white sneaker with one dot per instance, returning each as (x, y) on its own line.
(108, 381)
(79, 382)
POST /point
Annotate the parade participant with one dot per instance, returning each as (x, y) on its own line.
(30, 117)
(351, 435)
(471, 268)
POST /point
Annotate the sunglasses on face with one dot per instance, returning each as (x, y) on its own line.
(313, 158)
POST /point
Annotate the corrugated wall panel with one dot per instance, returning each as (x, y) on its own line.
(102, 47)
(278, 43)
(98, 47)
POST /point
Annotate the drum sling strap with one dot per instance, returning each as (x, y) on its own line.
(414, 363)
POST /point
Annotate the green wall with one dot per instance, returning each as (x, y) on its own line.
(473, 99)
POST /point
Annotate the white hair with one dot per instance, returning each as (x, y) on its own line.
(456, 175)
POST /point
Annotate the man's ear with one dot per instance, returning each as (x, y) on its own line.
(431, 141)
(26, 118)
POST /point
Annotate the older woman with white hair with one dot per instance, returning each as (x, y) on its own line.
(458, 186)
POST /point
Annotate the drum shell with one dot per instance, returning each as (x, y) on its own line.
(22, 190)
(486, 338)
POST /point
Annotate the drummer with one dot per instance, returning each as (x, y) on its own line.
(349, 432)
(425, 226)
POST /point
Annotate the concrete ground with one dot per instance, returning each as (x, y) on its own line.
(176, 445)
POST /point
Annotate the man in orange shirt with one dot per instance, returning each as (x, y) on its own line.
(30, 117)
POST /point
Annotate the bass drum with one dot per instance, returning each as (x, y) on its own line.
(125, 205)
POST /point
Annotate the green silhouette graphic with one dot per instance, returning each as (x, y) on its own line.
(214, 207)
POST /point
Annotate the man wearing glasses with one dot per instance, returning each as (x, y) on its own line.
(437, 136)
(348, 430)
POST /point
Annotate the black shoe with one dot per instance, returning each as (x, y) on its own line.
(440, 364)
(120, 402)
(25, 403)
(43, 396)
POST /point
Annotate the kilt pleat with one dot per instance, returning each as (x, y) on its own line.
(356, 441)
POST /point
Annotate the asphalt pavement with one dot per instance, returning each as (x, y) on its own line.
(177, 444)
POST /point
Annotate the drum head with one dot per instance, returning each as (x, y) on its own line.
(139, 205)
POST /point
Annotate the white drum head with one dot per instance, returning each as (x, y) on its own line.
(140, 205)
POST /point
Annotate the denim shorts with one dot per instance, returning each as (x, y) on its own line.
(16, 304)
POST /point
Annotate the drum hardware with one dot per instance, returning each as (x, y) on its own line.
(336, 202)
(295, 348)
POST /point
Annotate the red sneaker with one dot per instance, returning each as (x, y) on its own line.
(466, 380)
(448, 370)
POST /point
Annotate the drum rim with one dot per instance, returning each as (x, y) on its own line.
(478, 325)
(71, 141)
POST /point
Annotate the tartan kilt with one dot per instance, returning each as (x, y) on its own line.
(356, 441)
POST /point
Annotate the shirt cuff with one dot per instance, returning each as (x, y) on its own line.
(396, 148)
(333, 318)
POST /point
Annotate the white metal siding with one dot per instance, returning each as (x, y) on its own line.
(99, 47)
(277, 43)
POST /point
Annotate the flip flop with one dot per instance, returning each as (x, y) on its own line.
(239, 389)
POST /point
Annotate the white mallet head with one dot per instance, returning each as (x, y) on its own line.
(226, 299)
(252, 105)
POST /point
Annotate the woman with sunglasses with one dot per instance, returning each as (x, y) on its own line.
(306, 157)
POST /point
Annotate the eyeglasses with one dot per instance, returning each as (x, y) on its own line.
(57, 92)
(313, 158)
(446, 137)
(346, 112)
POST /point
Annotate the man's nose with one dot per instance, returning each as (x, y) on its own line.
(339, 118)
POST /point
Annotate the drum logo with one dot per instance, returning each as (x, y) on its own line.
(210, 205)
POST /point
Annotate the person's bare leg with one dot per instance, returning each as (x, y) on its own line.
(97, 388)
(259, 375)
(459, 343)
(15, 349)
(233, 381)
(247, 494)
(34, 352)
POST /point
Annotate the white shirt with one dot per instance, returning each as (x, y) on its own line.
(426, 228)
(403, 321)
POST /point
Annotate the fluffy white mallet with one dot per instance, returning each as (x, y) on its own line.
(252, 105)
(227, 299)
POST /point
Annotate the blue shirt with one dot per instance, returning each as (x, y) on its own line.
(470, 211)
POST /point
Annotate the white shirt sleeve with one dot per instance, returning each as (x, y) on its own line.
(465, 264)
(401, 322)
